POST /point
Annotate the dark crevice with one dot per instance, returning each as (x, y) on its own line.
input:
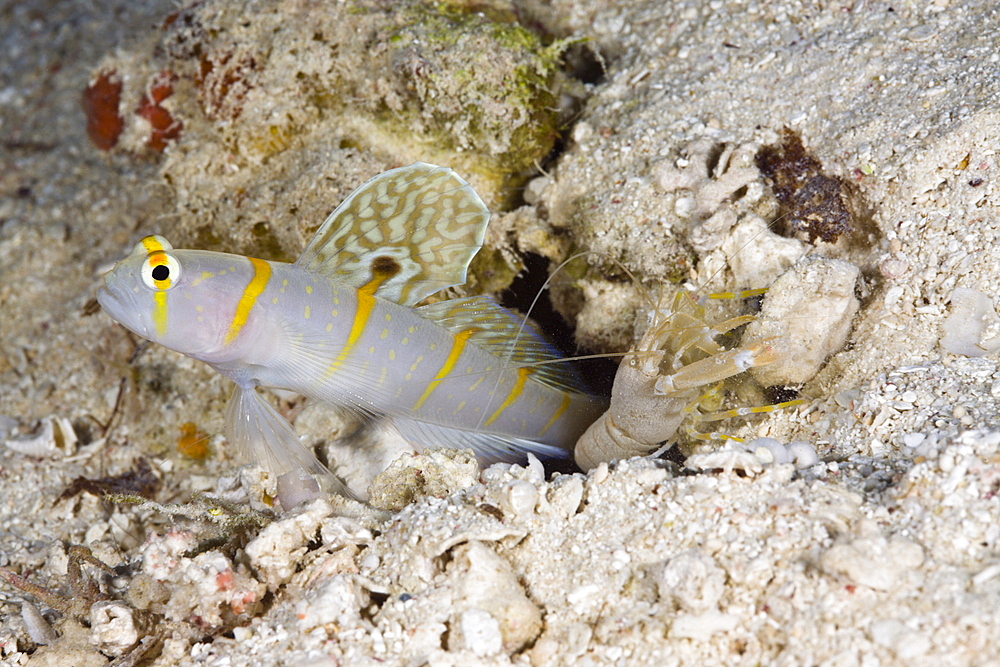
(597, 375)
(585, 63)
(582, 62)
(713, 158)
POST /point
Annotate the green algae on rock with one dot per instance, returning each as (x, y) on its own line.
(265, 93)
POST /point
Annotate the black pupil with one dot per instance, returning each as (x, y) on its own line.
(161, 272)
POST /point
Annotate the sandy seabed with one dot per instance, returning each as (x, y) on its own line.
(884, 551)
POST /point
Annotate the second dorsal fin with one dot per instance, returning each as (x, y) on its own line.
(414, 230)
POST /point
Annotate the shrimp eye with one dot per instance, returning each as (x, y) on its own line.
(160, 271)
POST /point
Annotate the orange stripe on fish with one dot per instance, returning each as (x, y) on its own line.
(557, 414)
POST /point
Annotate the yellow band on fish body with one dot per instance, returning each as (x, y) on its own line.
(383, 269)
(558, 413)
(456, 351)
(522, 376)
(253, 290)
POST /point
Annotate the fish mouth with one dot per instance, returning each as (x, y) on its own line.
(110, 303)
(119, 309)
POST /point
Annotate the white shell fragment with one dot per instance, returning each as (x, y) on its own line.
(908, 644)
(479, 632)
(692, 581)
(758, 256)
(753, 457)
(872, 559)
(55, 438)
(565, 495)
(276, 550)
(808, 311)
(727, 460)
(522, 497)
(37, 626)
(769, 451)
(701, 627)
(113, 627)
(336, 600)
(734, 169)
(804, 454)
(965, 330)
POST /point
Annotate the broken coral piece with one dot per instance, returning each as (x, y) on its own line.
(965, 329)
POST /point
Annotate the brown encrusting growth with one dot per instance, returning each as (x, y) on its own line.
(814, 203)
(163, 126)
(100, 105)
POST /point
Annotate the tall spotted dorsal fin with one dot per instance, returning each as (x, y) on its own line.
(505, 335)
(413, 230)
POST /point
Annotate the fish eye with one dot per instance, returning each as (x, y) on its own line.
(160, 271)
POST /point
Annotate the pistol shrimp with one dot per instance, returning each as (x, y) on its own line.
(665, 379)
(671, 379)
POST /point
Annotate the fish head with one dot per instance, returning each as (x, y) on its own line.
(181, 299)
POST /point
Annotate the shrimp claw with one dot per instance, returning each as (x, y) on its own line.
(663, 379)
